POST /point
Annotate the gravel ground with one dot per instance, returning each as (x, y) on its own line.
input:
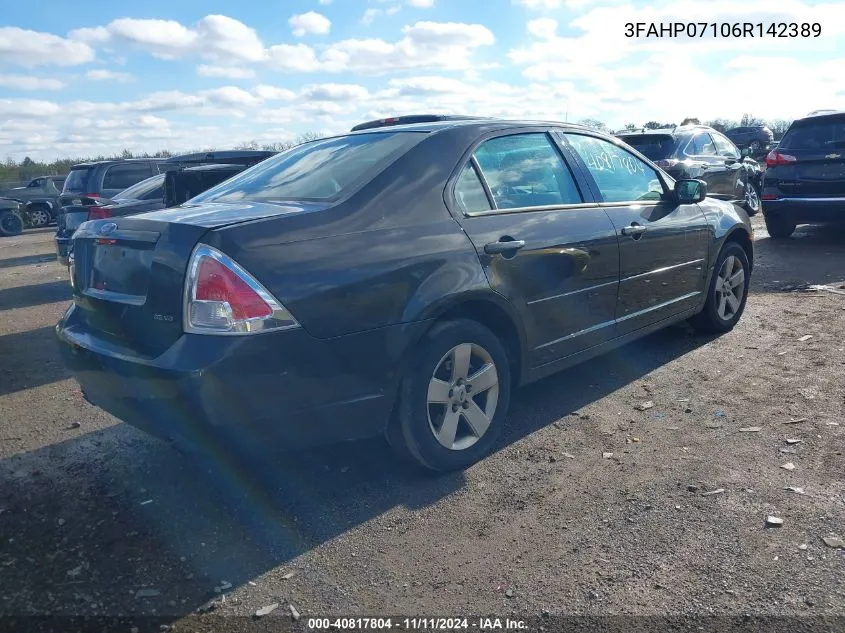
(589, 506)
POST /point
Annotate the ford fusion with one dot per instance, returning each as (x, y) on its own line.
(398, 280)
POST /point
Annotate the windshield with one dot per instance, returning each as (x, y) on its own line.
(143, 190)
(315, 171)
(819, 134)
(77, 180)
(653, 146)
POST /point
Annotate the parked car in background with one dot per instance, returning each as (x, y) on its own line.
(697, 151)
(11, 222)
(804, 180)
(399, 280)
(177, 183)
(756, 138)
(39, 199)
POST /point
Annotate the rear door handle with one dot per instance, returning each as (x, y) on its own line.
(635, 230)
(507, 246)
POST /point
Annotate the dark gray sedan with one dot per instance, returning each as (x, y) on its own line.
(398, 280)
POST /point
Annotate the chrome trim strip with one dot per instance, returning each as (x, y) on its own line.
(660, 271)
(805, 200)
(574, 334)
(571, 292)
(550, 207)
(634, 315)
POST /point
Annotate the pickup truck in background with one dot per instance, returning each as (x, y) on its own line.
(39, 199)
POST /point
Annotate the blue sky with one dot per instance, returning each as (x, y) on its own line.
(96, 77)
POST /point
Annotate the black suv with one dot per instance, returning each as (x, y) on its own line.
(700, 152)
(805, 176)
(757, 138)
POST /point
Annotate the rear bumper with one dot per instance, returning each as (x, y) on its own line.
(276, 389)
(806, 210)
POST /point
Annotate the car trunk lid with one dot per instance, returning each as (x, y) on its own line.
(128, 272)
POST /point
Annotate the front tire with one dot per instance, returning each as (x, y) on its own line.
(11, 223)
(728, 292)
(454, 399)
(38, 217)
(780, 229)
(752, 200)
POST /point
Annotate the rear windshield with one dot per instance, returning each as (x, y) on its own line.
(818, 134)
(315, 171)
(77, 180)
(144, 190)
(653, 146)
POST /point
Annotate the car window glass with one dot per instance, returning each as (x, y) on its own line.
(619, 175)
(821, 135)
(526, 170)
(469, 192)
(702, 145)
(147, 189)
(724, 146)
(124, 176)
(35, 183)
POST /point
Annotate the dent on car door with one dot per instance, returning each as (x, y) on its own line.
(663, 245)
(543, 245)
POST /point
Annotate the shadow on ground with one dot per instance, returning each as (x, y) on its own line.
(814, 255)
(24, 260)
(88, 523)
(30, 359)
(34, 294)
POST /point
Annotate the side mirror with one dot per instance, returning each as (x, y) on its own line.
(690, 191)
(745, 152)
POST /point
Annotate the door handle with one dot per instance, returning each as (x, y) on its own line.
(506, 246)
(635, 230)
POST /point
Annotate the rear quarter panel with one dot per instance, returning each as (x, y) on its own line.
(389, 254)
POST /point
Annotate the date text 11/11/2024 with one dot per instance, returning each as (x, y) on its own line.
(723, 29)
(416, 624)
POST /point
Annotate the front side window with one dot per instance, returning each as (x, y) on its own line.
(725, 147)
(526, 170)
(619, 175)
(318, 170)
(701, 145)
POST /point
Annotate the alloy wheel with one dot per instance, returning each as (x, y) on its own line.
(752, 199)
(39, 217)
(730, 288)
(462, 396)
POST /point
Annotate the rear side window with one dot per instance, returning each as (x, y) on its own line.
(315, 171)
(619, 175)
(470, 193)
(124, 176)
(724, 147)
(820, 134)
(653, 146)
(701, 145)
(77, 181)
(526, 170)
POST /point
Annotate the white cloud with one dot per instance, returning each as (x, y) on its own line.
(215, 37)
(540, 4)
(335, 92)
(229, 72)
(421, 4)
(325, 2)
(28, 82)
(311, 23)
(231, 96)
(108, 75)
(273, 93)
(32, 48)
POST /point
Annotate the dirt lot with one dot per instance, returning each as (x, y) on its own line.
(98, 519)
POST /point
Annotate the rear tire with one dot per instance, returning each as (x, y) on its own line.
(38, 216)
(752, 200)
(454, 399)
(728, 292)
(11, 223)
(779, 229)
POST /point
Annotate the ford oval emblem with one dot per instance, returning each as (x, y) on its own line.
(109, 227)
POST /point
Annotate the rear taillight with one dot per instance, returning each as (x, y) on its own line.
(222, 298)
(667, 163)
(89, 195)
(769, 196)
(776, 158)
(99, 213)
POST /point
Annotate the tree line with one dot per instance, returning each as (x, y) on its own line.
(777, 126)
(27, 169)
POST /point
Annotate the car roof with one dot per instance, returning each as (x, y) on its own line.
(215, 167)
(479, 123)
(98, 163)
(822, 113)
(669, 131)
(221, 156)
